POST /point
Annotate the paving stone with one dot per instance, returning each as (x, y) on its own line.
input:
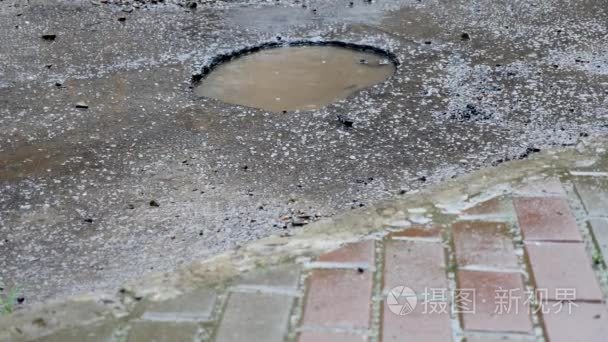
(546, 219)
(285, 277)
(600, 232)
(338, 298)
(417, 265)
(586, 322)
(196, 305)
(254, 317)
(57, 317)
(541, 188)
(489, 207)
(418, 232)
(594, 194)
(102, 332)
(487, 244)
(563, 266)
(429, 321)
(149, 331)
(360, 252)
(495, 305)
(313, 336)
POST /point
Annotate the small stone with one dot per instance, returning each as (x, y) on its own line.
(88, 220)
(346, 121)
(465, 37)
(153, 203)
(49, 37)
(82, 105)
(299, 222)
(122, 18)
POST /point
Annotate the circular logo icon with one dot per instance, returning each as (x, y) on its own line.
(401, 300)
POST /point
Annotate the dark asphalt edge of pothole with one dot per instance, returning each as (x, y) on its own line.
(227, 57)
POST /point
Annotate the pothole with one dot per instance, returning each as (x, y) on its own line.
(300, 76)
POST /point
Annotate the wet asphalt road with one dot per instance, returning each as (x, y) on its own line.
(150, 176)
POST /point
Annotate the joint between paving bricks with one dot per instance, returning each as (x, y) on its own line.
(416, 239)
(217, 312)
(489, 217)
(121, 333)
(333, 329)
(339, 265)
(378, 279)
(297, 310)
(450, 270)
(273, 290)
(518, 242)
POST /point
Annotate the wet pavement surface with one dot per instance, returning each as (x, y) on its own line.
(295, 77)
(112, 166)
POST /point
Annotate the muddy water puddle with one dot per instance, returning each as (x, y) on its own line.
(296, 77)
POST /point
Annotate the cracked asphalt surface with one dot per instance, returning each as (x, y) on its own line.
(150, 176)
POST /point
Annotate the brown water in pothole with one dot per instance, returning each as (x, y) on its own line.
(299, 77)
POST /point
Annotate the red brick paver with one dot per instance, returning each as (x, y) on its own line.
(417, 265)
(490, 313)
(339, 298)
(563, 266)
(479, 243)
(586, 322)
(428, 322)
(360, 252)
(546, 219)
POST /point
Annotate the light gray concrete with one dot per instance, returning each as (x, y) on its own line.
(255, 317)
